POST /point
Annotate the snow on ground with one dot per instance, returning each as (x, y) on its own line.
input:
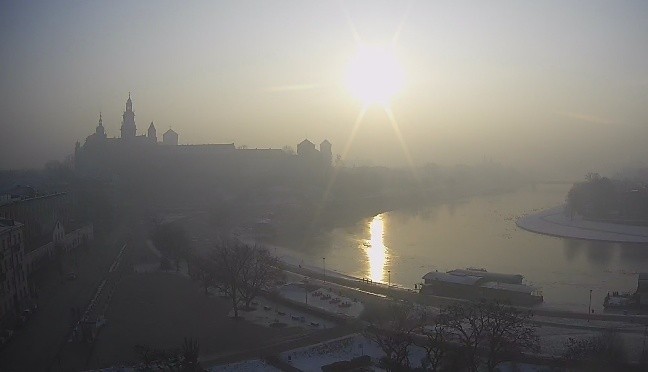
(312, 358)
(292, 258)
(554, 339)
(245, 366)
(325, 299)
(593, 324)
(268, 312)
(522, 367)
(554, 222)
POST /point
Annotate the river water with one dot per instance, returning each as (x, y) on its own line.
(401, 246)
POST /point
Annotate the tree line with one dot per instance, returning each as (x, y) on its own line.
(477, 336)
(462, 337)
(604, 198)
(238, 270)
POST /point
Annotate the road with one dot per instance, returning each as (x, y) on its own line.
(37, 346)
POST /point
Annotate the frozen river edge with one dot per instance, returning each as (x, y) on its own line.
(554, 222)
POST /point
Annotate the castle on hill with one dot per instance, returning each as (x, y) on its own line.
(101, 155)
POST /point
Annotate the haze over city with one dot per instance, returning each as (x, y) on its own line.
(525, 84)
(235, 186)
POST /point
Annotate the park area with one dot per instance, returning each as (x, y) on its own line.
(158, 310)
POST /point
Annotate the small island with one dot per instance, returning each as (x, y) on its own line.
(598, 208)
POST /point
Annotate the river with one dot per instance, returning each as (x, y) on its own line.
(401, 246)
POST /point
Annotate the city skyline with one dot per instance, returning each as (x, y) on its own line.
(550, 83)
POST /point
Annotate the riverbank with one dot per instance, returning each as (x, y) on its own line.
(374, 294)
(554, 222)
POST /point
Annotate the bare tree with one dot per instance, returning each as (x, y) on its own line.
(258, 274)
(507, 334)
(183, 359)
(202, 269)
(172, 241)
(190, 351)
(288, 150)
(602, 352)
(497, 331)
(230, 259)
(465, 325)
(153, 359)
(436, 347)
(393, 331)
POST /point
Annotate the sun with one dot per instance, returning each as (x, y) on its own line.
(375, 75)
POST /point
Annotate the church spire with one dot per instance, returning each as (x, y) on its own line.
(152, 133)
(101, 133)
(128, 128)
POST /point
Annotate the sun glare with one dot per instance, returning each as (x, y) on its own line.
(375, 75)
(377, 252)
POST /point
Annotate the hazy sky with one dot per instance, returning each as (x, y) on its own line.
(559, 84)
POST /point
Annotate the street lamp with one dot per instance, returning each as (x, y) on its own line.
(388, 278)
(589, 309)
(324, 266)
(643, 350)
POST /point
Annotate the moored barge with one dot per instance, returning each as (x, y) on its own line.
(479, 284)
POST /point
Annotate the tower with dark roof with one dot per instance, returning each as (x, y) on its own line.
(152, 133)
(100, 131)
(128, 128)
(306, 149)
(170, 138)
(325, 150)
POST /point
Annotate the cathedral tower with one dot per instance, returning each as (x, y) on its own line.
(152, 133)
(128, 128)
(100, 131)
(327, 154)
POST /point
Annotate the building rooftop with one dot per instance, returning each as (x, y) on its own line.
(452, 278)
(509, 287)
(490, 277)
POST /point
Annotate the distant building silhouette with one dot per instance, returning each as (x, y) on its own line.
(103, 156)
(170, 138)
(325, 150)
(128, 128)
(100, 132)
(152, 133)
(306, 151)
(13, 278)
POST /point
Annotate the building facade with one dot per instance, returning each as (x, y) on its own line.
(102, 156)
(14, 291)
(38, 215)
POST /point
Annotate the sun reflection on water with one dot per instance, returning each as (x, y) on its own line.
(376, 250)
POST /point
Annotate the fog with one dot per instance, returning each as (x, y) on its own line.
(558, 87)
(323, 185)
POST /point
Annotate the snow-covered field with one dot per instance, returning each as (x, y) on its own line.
(268, 312)
(312, 358)
(554, 222)
(245, 366)
(522, 367)
(323, 299)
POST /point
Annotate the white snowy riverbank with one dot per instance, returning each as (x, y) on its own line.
(554, 222)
